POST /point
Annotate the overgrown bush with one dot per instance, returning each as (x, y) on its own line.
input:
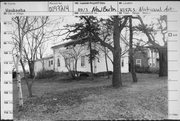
(62, 74)
(45, 74)
(142, 69)
(154, 70)
(84, 74)
(105, 73)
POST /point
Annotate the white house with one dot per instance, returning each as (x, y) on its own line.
(57, 62)
(148, 57)
(153, 60)
(47, 63)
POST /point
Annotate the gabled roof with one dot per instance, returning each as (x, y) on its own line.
(45, 58)
(63, 44)
(79, 41)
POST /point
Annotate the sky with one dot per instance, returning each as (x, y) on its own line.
(63, 20)
(57, 22)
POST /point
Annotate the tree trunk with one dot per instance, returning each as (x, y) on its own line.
(76, 73)
(116, 80)
(43, 65)
(20, 96)
(131, 59)
(29, 86)
(106, 62)
(132, 70)
(91, 63)
(163, 68)
(31, 68)
(22, 65)
(42, 60)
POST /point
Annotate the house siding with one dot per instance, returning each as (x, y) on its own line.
(38, 66)
(153, 56)
(99, 65)
(62, 67)
(148, 59)
(143, 57)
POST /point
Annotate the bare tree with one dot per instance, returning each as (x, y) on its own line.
(71, 55)
(150, 32)
(24, 28)
(42, 48)
(106, 35)
(131, 59)
(20, 37)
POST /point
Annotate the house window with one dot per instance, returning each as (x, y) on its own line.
(138, 62)
(122, 63)
(58, 62)
(72, 64)
(67, 61)
(82, 60)
(51, 62)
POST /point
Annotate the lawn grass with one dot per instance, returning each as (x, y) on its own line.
(61, 99)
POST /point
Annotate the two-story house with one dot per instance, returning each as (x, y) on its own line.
(57, 62)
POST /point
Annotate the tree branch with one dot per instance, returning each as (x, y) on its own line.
(147, 33)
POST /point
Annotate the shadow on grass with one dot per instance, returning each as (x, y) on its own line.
(66, 98)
